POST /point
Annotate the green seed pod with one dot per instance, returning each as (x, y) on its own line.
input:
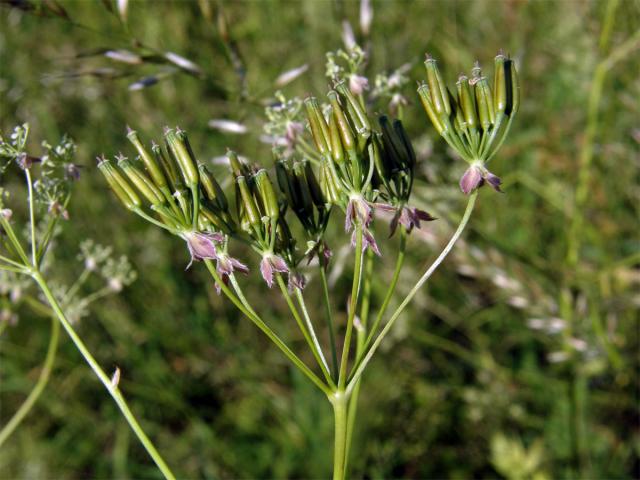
(485, 103)
(305, 202)
(212, 189)
(425, 98)
(359, 116)
(337, 151)
(515, 88)
(499, 85)
(168, 166)
(329, 184)
(268, 194)
(467, 102)
(237, 167)
(180, 153)
(318, 124)
(285, 180)
(250, 208)
(346, 135)
(119, 185)
(314, 186)
(149, 162)
(213, 219)
(406, 143)
(141, 182)
(439, 95)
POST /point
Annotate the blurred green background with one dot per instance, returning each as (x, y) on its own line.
(517, 360)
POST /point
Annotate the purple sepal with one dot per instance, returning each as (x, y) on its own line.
(271, 264)
(476, 176)
(202, 245)
(357, 209)
(409, 218)
(471, 179)
(227, 265)
(296, 280)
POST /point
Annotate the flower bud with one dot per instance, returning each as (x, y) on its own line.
(141, 181)
(180, 152)
(439, 94)
(149, 162)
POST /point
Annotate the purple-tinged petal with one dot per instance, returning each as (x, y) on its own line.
(494, 181)
(393, 225)
(471, 180)
(385, 207)
(326, 255)
(239, 266)
(348, 219)
(267, 271)
(406, 219)
(368, 241)
(296, 280)
(278, 264)
(422, 215)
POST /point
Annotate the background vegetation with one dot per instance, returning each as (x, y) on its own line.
(519, 359)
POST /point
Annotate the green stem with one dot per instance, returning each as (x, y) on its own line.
(367, 358)
(13, 240)
(102, 376)
(32, 219)
(267, 331)
(361, 335)
(312, 332)
(39, 387)
(294, 311)
(340, 401)
(391, 290)
(355, 286)
(330, 326)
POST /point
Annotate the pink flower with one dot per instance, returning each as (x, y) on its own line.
(358, 84)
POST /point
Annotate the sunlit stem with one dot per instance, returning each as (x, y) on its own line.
(312, 332)
(104, 378)
(390, 291)
(330, 325)
(367, 358)
(266, 330)
(355, 287)
(294, 311)
(32, 219)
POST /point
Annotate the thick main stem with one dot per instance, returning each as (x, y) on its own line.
(104, 378)
(367, 358)
(340, 403)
